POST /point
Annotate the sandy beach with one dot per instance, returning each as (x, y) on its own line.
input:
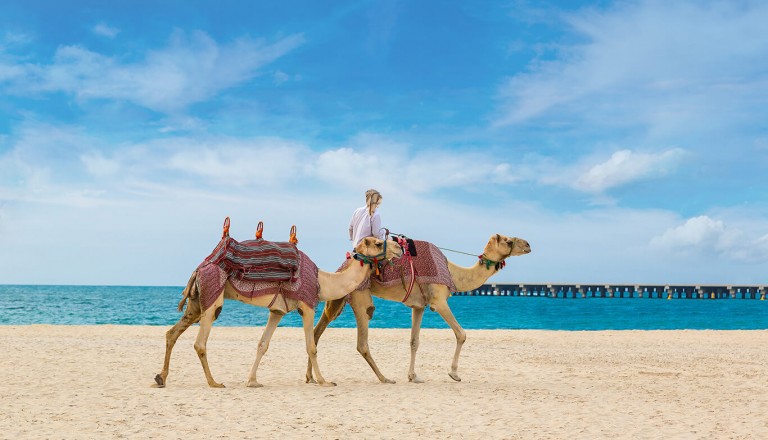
(95, 382)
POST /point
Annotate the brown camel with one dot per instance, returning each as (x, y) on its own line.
(333, 285)
(435, 296)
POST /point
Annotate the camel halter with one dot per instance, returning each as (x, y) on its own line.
(375, 262)
(487, 262)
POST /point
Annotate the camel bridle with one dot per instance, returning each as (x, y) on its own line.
(498, 265)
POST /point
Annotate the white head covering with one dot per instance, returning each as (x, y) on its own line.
(372, 200)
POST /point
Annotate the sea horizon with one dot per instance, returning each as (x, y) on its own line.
(157, 305)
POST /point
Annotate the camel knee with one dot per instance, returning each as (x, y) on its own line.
(370, 311)
(312, 351)
(362, 348)
(263, 347)
(414, 344)
(200, 349)
(461, 336)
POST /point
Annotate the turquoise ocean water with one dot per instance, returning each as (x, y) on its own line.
(157, 306)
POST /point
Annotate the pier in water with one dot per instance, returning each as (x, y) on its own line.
(662, 291)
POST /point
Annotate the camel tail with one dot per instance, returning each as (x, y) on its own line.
(189, 292)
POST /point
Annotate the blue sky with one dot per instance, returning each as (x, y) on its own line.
(627, 141)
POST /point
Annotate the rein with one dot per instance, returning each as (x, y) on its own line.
(484, 261)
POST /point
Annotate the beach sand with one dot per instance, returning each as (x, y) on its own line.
(95, 382)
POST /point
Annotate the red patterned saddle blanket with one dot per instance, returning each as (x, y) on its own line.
(303, 287)
(429, 265)
(255, 260)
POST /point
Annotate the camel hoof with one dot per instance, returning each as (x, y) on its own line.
(455, 377)
(310, 380)
(328, 384)
(254, 385)
(390, 381)
(159, 381)
(414, 379)
(216, 385)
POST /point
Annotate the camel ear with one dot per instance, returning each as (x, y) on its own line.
(497, 237)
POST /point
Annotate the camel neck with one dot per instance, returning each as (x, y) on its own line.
(470, 278)
(335, 285)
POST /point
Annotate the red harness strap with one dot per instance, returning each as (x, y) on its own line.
(413, 276)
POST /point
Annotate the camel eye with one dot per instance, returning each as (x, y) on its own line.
(378, 245)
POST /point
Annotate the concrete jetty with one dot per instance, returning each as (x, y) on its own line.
(658, 291)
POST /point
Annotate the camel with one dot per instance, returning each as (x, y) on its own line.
(465, 279)
(332, 285)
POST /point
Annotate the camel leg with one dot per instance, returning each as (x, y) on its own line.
(331, 311)
(416, 315)
(191, 316)
(362, 305)
(441, 306)
(206, 322)
(308, 320)
(269, 330)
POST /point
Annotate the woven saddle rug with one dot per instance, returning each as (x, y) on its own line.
(256, 260)
(430, 265)
(303, 286)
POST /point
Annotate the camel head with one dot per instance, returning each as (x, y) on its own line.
(500, 247)
(373, 247)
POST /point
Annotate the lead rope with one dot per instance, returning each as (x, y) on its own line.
(458, 252)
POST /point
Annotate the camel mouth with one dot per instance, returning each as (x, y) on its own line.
(521, 252)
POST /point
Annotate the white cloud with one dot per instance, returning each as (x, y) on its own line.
(751, 252)
(710, 237)
(346, 166)
(595, 174)
(190, 69)
(98, 165)
(697, 232)
(11, 67)
(390, 166)
(672, 67)
(280, 77)
(9, 71)
(105, 30)
(268, 161)
(626, 166)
